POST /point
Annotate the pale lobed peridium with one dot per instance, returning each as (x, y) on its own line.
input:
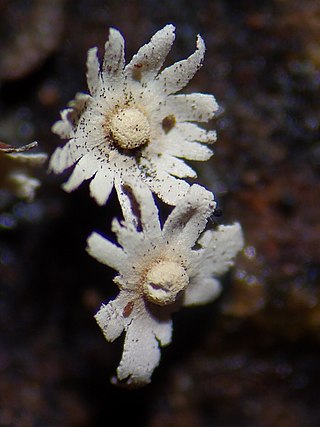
(16, 165)
(159, 269)
(133, 126)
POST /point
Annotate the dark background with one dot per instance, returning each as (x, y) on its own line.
(252, 357)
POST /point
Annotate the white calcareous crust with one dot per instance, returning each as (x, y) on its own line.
(16, 164)
(133, 127)
(160, 268)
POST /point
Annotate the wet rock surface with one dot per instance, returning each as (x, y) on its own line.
(251, 358)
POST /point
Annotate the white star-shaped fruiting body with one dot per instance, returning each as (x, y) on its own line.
(133, 127)
(15, 166)
(160, 268)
